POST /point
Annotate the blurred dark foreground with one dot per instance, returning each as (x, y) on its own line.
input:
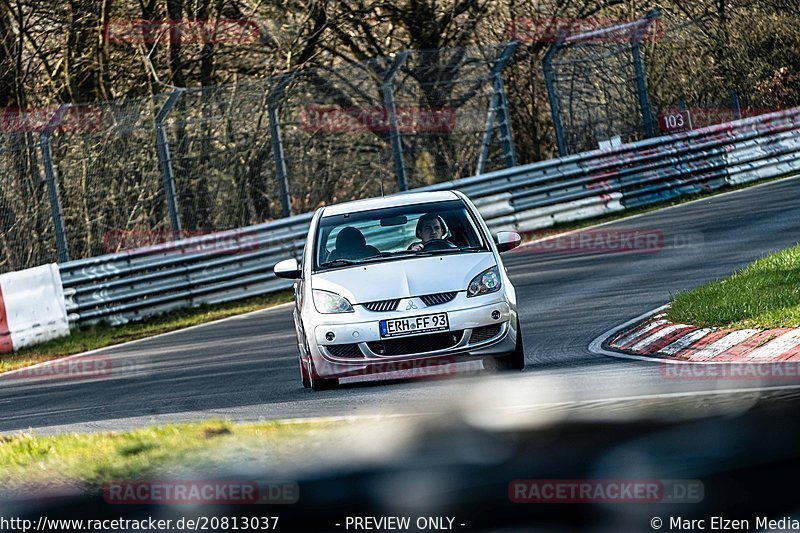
(601, 474)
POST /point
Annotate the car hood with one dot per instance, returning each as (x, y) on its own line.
(402, 278)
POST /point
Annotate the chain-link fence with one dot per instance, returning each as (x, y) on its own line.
(26, 224)
(676, 56)
(99, 178)
(597, 85)
(91, 179)
(335, 133)
(107, 171)
(625, 81)
(220, 146)
(459, 138)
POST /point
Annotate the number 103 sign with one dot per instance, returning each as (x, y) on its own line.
(675, 120)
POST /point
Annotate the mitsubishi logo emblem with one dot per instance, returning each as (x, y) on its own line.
(411, 305)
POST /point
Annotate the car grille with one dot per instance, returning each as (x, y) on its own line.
(344, 350)
(416, 344)
(438, 299)
(484, 333)
(382, 305)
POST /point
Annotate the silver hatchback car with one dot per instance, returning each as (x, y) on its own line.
(409, 282)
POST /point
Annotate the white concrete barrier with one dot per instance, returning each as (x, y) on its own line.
(32, 307)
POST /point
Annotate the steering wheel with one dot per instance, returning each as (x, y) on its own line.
(437, 244)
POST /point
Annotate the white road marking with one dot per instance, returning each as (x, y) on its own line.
(660, 334)
(775, 347)
(725, 343)
(685, 341)
(638, 334)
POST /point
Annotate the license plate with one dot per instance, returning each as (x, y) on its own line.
(414, 325)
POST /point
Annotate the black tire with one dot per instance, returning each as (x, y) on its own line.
(317, 383)
(516, 359)
(306, 380)
(304, 371)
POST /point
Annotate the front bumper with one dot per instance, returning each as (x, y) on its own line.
(362, 338)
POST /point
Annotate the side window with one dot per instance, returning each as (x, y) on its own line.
(326, 247)
(475, 233)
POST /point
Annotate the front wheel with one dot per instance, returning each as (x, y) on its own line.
(317, 383)
(304, 377)
(302, 348)
(516, 359)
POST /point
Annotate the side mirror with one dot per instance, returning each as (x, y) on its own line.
(507, 240)
(288, 269)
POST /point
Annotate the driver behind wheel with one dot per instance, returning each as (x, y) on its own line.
(430, 227)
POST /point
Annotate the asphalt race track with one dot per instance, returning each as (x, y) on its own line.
(245, 368)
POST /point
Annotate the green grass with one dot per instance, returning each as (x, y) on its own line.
(765, 294)
(86, 338)
(89, 460)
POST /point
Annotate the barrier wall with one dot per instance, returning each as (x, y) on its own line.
(32, 307)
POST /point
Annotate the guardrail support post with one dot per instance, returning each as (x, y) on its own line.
(498, 111)
(737, 108)
(387, 88)
(62, 246)
(281, 173)
(641, 78)
(165, 160)
(552, 94)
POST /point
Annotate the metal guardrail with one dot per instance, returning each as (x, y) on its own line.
(238, 264)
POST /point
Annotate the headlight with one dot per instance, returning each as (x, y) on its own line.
(484, 283)
(329, 302)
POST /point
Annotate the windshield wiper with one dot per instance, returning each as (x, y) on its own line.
(398, 254)
(456, 250)
(401, 253)
(339, 262)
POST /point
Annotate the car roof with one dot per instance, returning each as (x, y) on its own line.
(395, 200)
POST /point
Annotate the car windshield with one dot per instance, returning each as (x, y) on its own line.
(396, 232)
